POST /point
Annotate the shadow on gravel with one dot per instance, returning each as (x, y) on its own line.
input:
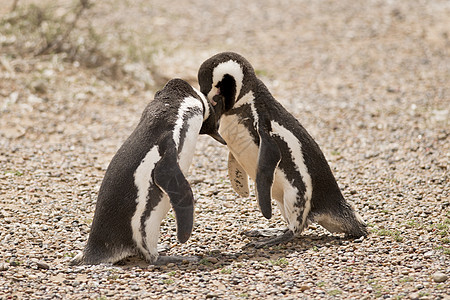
(217, 260)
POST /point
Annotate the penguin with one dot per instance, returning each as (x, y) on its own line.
(147, 176)
(269, 145)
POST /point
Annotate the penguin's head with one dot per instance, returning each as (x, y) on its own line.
(224, 79)
(210, 123)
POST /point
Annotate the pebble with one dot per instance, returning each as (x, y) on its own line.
(42, 265)
(3, 267)
(414, 296)
(439, 277)
(212, 260)
(428, 254)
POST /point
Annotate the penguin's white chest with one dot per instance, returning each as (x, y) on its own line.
(240, 143)
(190, 127)
(188, 148)
(244, 149)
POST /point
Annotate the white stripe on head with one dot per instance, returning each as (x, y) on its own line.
(188, 103)
(229, 67)
(142, 180)
(205, 104)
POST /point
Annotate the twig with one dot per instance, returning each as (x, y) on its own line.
(59, 41)
(14, 6)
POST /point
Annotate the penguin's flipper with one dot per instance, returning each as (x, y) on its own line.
(268, 158)
(238, 176)
(169, 177)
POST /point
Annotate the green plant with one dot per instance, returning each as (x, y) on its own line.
(442, 226)
(205, 262)
(386, 232)
(406, 279)
(226, 271)
(334, 292)
(16, 173)
(279, 262)
(414, 224)
(320, 284)
(113, 277)
(168, 281)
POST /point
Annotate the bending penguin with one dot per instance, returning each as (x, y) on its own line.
(146, 177)
(268, 144)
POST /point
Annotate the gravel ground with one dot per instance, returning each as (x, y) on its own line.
(369, 80)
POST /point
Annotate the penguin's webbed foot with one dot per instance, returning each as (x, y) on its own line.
(287, 236)
(176, 259)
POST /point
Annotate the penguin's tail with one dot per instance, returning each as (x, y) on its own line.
(341, 219)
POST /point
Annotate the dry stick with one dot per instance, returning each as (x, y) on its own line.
(57, 43)
(14, 6)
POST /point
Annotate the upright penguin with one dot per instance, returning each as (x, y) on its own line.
(146, 177)
(267, 143)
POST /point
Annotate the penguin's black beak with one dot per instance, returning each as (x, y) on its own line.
(218, 138)
(217, 104)
(211, 126)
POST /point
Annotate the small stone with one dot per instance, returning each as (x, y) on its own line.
(213, 260)
(414, 296)
(439, 277)
(304, 288)
(13, 263)
(428, 254)
(39, 86)
(359, 240)
(42, 265)
(215, 252)
(3, 267)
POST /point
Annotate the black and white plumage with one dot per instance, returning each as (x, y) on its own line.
(268, 144)
(147, 176)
